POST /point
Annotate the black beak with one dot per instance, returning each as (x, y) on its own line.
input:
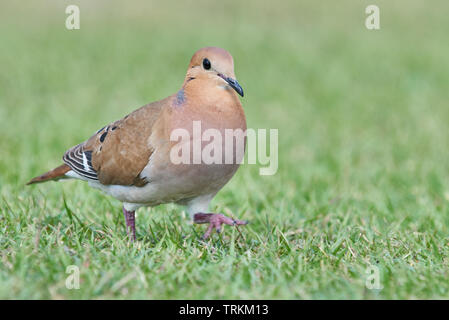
(233, 83)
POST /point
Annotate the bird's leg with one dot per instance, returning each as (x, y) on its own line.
(215, 221)
(130, 223)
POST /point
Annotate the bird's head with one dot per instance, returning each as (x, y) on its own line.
(214, 64)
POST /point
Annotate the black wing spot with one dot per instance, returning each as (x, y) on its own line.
(103, 136)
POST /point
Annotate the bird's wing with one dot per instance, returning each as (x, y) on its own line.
(117, 153)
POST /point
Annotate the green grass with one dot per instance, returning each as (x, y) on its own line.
(363, 162)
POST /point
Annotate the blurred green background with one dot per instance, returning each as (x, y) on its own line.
(362, 179)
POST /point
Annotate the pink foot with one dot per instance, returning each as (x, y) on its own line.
(130, 223)
(215, 220)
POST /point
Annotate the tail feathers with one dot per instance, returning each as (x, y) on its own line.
(55, 174)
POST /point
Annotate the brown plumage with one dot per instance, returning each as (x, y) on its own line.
(55, 174)
(130, 158)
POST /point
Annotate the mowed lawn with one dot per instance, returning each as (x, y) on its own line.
(363, 177)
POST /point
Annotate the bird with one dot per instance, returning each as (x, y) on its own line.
(131, 159)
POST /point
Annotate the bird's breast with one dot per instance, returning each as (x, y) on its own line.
(203, 139)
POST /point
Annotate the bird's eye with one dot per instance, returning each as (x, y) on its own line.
(206, 64)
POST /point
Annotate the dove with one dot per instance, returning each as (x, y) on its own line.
(131, 159)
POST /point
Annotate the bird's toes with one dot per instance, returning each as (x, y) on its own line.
(240, 222)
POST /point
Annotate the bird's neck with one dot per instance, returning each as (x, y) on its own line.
(209, 93)
(211, 102)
